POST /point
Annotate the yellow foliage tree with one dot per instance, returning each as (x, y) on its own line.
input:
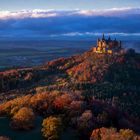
(23, 119)
(52, 128)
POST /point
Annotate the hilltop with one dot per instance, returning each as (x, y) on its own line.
(87, 91)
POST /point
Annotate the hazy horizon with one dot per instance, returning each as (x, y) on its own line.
(30, 26)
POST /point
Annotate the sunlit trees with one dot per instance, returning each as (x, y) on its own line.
(104, 134)
(112, 134)
(39, 102)
(52, 128)
(62, 101)
(127, 134)
(12, 106)
(23, 119)
(14, 110)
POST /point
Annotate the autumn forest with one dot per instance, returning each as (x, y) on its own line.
(88, 96)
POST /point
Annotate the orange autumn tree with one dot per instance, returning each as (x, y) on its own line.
(62, 101)
(112, 134)
(23, 119)
(52, 128)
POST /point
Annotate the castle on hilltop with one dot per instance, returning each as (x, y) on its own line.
(108, 46)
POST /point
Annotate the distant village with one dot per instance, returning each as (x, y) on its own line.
(108, 46)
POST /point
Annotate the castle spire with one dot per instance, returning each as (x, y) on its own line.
(103, 38)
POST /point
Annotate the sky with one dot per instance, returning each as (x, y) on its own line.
(68, 19)
(14, 5)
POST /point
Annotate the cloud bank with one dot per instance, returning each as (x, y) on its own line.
(50, 24)
(39, 13)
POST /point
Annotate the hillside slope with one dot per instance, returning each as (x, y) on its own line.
(114, 75)
(102, 85)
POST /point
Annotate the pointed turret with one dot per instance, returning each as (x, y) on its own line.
(109, 38)
(98, 41)
(103, 38)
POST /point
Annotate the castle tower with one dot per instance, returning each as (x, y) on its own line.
(98, 42)
(108, 45)
(103, 38)
(109, 38)
(104, 44)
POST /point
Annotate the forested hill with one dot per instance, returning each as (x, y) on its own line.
(85, 69)
(105, 87)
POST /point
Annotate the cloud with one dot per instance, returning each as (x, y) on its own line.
(96, 34)
(38, 13)
(46, 24)
(110, 12)
(27, 14)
